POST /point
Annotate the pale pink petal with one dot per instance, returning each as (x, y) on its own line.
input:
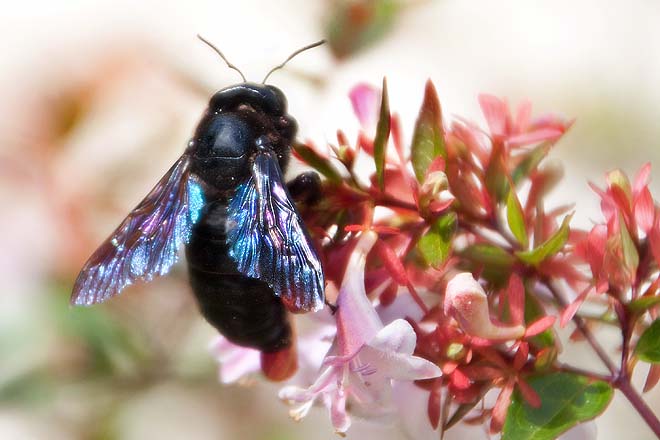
(411, 402)
(235, 361)
(550, 121)
(642, 178)
(300, 412)
(403, 305)
(523, 115)
(466, 301)
(534, 137)
(644, 210)
(592, 250)
(366, 100)
(240, 366)
(496, 112)
(340, 419)
(462, 282)
(472, 137)
(607, 204)
(323, 382)
(314, 343)
(292, 393)
(398, 336)
(397, 366)
(371, 393)
(326, 380)
(357, 320)
(389, 355)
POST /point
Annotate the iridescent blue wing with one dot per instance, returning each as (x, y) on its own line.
(146, 243)
(268, 240)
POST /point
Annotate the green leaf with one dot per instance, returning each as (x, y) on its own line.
(643, 304)
(353, 26)
(34, 388)
(494, 261)
(549, 247)
(112, 348)
(514, 215)
(545, 359)
(648, 346)
(566, 400)
(382, 136)
(497, 182)
(489, 255)
(533, 311)
(314, 160)
(530, 162)
(435, 245)
(630, 255)
(428, 139)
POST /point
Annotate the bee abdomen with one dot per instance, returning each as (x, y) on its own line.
(245, 310)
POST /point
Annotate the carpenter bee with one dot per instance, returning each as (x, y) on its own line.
(250, 257)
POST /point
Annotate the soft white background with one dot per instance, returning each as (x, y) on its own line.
(598, 62)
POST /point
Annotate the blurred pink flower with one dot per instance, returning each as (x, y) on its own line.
(365, 100)
(520, 130)
(610, 247)
(235, 361)
(633, 202)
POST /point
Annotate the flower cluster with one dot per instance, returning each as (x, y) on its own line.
(447, 271)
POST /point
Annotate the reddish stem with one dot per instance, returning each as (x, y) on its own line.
(417, 298)
(638, 403)
(586, 373)
(621, 378)
(584, 329)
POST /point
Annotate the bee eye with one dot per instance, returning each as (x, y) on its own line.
(278, 97)
(287, 127)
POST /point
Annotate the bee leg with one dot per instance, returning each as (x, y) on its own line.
(305, 188)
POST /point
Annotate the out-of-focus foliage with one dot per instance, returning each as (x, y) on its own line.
(353, 25)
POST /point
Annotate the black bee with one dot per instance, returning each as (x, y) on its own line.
(249, 255)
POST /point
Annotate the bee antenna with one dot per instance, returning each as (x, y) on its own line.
(302, 49)
(230, 65)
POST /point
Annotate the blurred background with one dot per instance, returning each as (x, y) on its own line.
(99, 98)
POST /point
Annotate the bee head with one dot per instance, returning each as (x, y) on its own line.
(264, 97)
(239, 121)
(236, 122)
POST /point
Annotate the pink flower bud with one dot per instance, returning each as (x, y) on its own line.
(466, 302)
(434, 183)
(434, 193)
